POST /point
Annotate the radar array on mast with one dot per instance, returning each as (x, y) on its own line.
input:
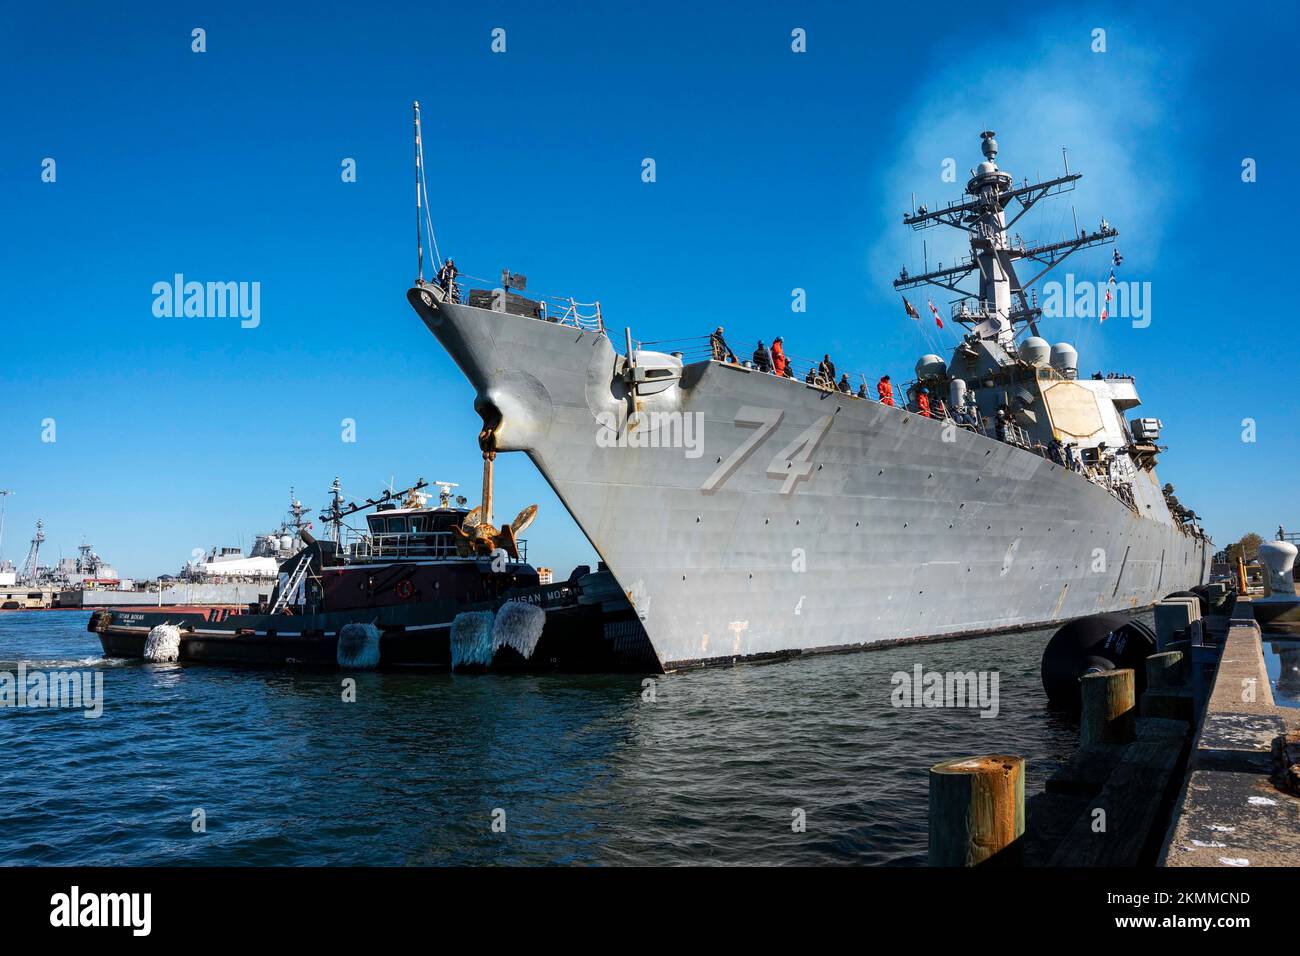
(1001, 302)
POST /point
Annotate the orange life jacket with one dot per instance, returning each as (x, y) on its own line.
(886, 393)
(923, 404)
(778, 358)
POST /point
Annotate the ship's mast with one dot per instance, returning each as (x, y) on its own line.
(419, 213)
(1001, 303)
(336, 504)
(33, 553)
(296, 512)
(87, 561)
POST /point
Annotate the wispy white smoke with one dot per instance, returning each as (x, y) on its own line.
(1108, 108)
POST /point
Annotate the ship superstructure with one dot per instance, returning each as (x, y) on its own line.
(1027, 390)
(269, 551)
(86, 570)
(747, 514)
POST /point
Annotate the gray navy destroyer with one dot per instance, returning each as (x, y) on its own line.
(749, 515)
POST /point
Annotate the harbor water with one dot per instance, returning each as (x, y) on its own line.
(1282, 662)
(721, 766)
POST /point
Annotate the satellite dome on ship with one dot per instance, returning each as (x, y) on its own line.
(1035, 351)
(930, 366)
(1065, 357)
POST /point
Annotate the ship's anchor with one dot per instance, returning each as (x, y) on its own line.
(476, 534)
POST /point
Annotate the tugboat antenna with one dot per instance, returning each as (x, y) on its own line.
(337, 512)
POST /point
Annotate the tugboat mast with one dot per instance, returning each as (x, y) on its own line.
(1001, 302)
(336, 505)
(336, 512)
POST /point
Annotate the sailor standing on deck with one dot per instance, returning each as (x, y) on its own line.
(1000, 424)
(762, 361)
(447, 279)
(885, 390)
(923, 401)
(779, 364)
(719, 345)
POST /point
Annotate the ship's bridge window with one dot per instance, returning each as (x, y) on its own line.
(376, 524)
(417, 524)
(444, 521)
(397, 526)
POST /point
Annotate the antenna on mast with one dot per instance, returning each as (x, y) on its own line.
(336, 505)
(1001, 302)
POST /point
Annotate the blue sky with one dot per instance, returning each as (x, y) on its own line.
(775, 170)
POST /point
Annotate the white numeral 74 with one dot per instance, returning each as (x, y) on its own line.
(790, 464)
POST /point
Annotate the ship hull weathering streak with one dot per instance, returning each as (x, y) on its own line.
(749, 515)
(887, 532)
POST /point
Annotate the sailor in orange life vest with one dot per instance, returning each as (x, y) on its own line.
(885, 391)
(923, 401)
(778, 356)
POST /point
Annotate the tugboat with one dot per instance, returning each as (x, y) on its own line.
(429, 587)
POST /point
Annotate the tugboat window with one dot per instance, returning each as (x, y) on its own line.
(397, 526)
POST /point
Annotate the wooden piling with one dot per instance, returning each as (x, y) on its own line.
(977, 808)
(1109, 707)
(1165, 671)
(1167, 695)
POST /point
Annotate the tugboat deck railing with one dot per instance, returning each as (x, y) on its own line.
(408, 546)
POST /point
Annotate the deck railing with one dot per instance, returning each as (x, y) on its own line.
(700, 348)
(408, 546)
(971, 309)
(562, 310)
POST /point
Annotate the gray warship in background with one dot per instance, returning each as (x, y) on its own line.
(748, 515)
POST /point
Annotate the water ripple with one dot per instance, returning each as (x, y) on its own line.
(717, 769)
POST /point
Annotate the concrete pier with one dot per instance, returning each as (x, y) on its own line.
(1229, 812)
(1202, 770)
